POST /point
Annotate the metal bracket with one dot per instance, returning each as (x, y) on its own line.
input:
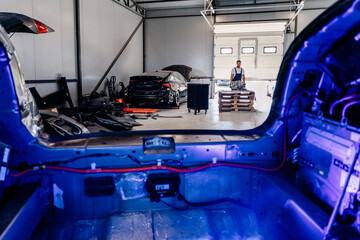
(298, 10)
(212, 10)
(133, 6)
(320, 116)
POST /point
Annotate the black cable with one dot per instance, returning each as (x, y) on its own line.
(86, 156)
(176, 207)
(132, 158)
(214, 202)
(169, 161)
(204, 204)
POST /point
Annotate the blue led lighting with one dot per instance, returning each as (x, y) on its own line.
(357, 37)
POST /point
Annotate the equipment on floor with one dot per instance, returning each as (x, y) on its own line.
(153, 116)
(115, 91)
(236, 101)
(96, 112)
(114, 123)
(198, 97)
(140, 110)
(62, 125)
(159, 185)
(55, 98)
(156, 116)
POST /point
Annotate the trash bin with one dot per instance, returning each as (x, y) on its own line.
(198, 97)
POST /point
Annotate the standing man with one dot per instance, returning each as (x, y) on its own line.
(237, 79)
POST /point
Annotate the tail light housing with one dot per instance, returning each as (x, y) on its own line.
(167, 85)
(40, 26)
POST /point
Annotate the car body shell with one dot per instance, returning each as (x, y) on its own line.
(157, 88)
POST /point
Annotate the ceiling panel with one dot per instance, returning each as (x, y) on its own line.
(172, 4)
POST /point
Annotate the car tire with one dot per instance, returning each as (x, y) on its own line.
(176, 102)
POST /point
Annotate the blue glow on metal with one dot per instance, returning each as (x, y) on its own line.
(357, 37)
(351, 9)
(3, 57)
(297, 55)
(2, 54)
(26, 220)
(325, 28)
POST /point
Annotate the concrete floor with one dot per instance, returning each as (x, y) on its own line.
(241, 120)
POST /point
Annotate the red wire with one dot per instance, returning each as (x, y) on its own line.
(21, 173)
(155, 167)
(285, 132)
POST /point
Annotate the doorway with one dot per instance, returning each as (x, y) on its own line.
(259, 46)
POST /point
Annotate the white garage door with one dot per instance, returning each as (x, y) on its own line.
(260, 52)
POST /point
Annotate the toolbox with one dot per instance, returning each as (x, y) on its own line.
(198, 97)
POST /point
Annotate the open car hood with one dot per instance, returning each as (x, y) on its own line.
(14, 22)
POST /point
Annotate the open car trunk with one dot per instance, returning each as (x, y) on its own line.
(146, 82)
(294, 177)
(224, 203)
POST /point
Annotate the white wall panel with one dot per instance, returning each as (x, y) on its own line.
(48, 52)
(68, 40)
(131, 61)
(199, 42)
(92, 58)
(187, 40)
(105, 27)
(46, 56)
(24, 43)
(305, 17)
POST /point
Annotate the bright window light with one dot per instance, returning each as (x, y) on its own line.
(247, 50)
(226, 50)
(270, 49)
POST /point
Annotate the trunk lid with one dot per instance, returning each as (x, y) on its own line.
(147, 82)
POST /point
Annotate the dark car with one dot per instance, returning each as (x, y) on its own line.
(184, 70)
(157, 88)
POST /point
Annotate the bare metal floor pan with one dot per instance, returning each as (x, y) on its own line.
(231, 222)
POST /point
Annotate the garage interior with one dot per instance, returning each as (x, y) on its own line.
(88, 34)
(106, 137)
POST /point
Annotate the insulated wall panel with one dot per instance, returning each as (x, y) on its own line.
(105, 27)
(46, 56)
(305, 17)
(183, 40)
